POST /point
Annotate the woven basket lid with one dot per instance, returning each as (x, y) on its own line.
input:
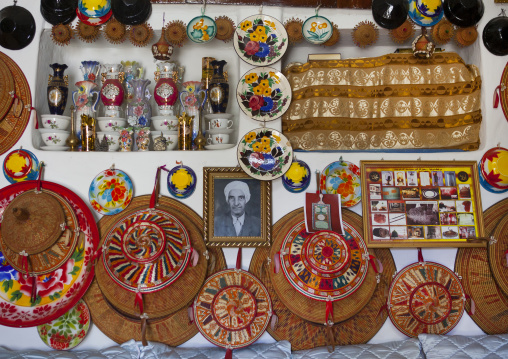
(365, 34)
(403, 33)
(425, 298)
(304, 306)
(232, 309)
(55, 256)
(6, 89)
(442, 32)
(491, 304)
(32, 222)
(302, 334)
(497, 255)
(174, 329)
(173, 297)
(466, 36)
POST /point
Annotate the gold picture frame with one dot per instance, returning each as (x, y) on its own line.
(421, 204)
(252, 202)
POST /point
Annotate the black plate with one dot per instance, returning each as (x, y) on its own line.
(55, 18)
(463, 13)
(17, 27)
(131, 12)
(389, 14)
(495, 36)
(59, 6)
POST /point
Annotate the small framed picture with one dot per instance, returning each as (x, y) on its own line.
(237, 208)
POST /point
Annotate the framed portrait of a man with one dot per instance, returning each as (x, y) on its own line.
(237, 208)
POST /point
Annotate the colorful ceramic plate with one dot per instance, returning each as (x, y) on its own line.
(201, 29)
(317, 29)
(422, 20)
(232, 309)
(425, 298)
(487, 185)
(146, 250)
(110, 192)
(429, 8)
(181, 181)
(324, 265)
(265, 154)
(21, 165)
(67, 331)
(342, 178)
(263, 94)
(494, 167)
(95, 8)
(297, 178)
(58, 291)
(260, 40)
(93, 21)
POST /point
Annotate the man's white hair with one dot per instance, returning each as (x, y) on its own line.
(242, 186)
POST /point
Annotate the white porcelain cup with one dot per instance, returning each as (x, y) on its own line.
(218, 139)
(165, 123)
(53, 137)
(113, 140)
(220, 123)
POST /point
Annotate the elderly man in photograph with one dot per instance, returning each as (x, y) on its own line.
(237, 222)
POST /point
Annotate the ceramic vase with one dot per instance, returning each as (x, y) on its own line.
(139, 111)
(166, 92)
(90, 70)
(143, 139)
(112, 93)
(85, 99)
(132, 71)
(125, 139)
(219, 88)
(58, 90)
(192, 99)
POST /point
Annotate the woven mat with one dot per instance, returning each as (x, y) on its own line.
(473, 266)
(6, 87)
(12, 127)
(497, 257)
(306, 335)
(173, 330)
(178, 294)
(307, 308)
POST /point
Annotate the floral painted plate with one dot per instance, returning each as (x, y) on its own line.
(342, 177)
(201, 29)
(265, 154)
(181, 181)
(58, 291)
(317, 30)
(67, 331)
(260, 40)
(263, 94)
(21, 165)
(110, 192)
(422, 20)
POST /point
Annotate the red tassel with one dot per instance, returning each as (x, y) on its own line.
(506, 258)
(24, 261)
(96, 255)
(194, 257)
(34, 289)
(497, 96)
(239, 259)
(139, 301)
(190, 313)
(274, 321)
(39, 179)
(276, 262)
(473, 306)
(420, 255)
(329, 311)
(229, 354)
(376, 264)
(384, 307)
(153, 198)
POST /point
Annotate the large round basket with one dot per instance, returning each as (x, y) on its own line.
(498, 252)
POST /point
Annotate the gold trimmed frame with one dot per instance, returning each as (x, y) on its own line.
(470, 167)
(210, 174)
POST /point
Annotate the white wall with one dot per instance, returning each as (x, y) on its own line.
(76, 170)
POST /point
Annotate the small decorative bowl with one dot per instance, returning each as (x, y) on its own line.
(297, 178)
(165, 123)
(170, 136)
(181, 181)
(55, 122)
(106, 124)
(113, 139)
(487, 186)
(494, 167)
(54, 137)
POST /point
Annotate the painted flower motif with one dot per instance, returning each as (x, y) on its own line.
(81, 334)
(260, 30)
(251, 78)
(251, 136)
(91, 77)
(6, 271)
(265, 140)
(96, 205)
(246, 25)
(109, 173)
(277, 138)
(258, 90)
(346, 189)
(82, 100)
(138, 110)
(190, 88)
(6, 309)
(255, 103)
(44, 330)
(58, 341)
(268, 104)
(254, 36)
(190, 100)
(350, 203)
(84, 317)
(142, 121)
(264, 50)
(252, 47)
(267, 91)
(181, 179)
(264, 83)
(261, 147)
(49, 283)
(132, 120)
(270, 23)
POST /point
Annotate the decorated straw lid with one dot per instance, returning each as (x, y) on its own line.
(443, 32)
(403, 33)
(365, 34)
(425, 297)
(498, 255)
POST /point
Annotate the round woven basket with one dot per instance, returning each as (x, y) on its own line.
(174, 329)
(172, 298)
(497, 257)
(307, 308)
(306, 335)
(491, 304)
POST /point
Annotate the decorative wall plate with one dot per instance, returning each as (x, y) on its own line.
(297, 178)
(20, 165)
(425, 298)
(181, 181)
(110, 192)
(146, 250)
(58, 291)
(429, 8)
(201, 29)
(422, 20)
(317, 29)
(95, 8)
(232, 309)
(263, 93)
(260, 40)
(342, 177)
(494, 167)
(265, 154)
(93, 21)
(324, 265)
(487, 185)
(67, 331)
